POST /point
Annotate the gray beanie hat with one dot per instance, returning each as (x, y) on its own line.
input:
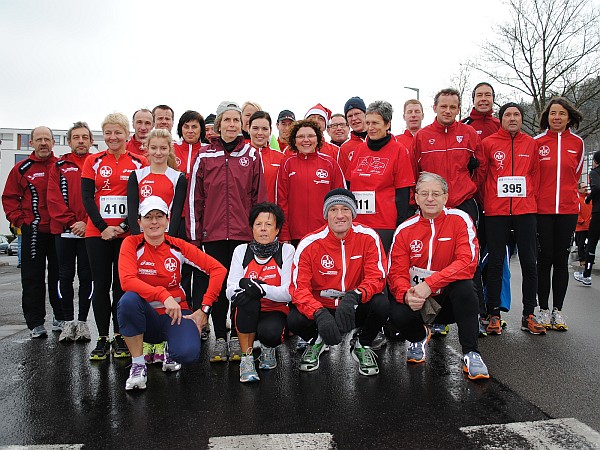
(227, 106)
(339, 196)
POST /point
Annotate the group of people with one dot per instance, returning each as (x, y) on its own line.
(273, 237)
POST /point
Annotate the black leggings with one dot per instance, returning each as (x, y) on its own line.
(498, 236)
(70, 251)
(580, 238)
(269, 326)
(554, 234)
(371, 316)
(459, 304)
(104, 261)
(222, 251)
(590, 250)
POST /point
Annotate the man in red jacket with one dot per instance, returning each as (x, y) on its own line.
(481, 117)
(510, 200)
(354, 110)
(431, 266)
(338, 278)
(68, 224)
(25, 204)
(413, 117)
(143, 123)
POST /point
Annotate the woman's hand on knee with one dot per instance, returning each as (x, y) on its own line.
(199, 318)
(173, 309)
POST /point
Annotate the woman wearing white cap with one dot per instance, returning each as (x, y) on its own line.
(226, 181)
(154, 306)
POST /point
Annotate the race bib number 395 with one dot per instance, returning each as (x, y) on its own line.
(113, 206)
(512, 187)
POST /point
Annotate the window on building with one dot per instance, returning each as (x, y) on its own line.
(19, 158)
(6, 137)
(23, 142)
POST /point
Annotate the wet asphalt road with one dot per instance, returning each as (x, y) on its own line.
(51, 394)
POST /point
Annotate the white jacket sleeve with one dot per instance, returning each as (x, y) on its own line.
(236, 271)
(281, 293)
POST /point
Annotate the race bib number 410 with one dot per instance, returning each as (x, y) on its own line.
(113, 206)
(512, 187)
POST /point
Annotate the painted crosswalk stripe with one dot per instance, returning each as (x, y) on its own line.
(543, 434)
(311, 441)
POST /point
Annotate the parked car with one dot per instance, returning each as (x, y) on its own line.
(3, 244)
(13, 248)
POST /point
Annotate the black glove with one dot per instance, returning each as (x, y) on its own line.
(346, 312)
(328, 330)
(473, 164)
(252, 288)
(241, 298)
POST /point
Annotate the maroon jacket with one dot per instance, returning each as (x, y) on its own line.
(64, 193)
(223, 187)
(24, 196)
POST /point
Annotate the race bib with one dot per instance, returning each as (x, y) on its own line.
(418, 275)
(512, 187)
(365, 201)
(113, 206)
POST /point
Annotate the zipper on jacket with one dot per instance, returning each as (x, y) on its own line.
(512, 166)
(189, 160)
(343, 266)
(430, 256)
(227, 195)
(558, 164)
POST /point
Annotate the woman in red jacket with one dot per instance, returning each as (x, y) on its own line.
(154, 306)
(561, 155)
(260, 133)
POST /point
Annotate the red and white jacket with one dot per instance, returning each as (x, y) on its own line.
(271, 162)
(510, 157)
(561, 162)
(24, 198)
(302, 183)
(185, 154)
(347, 152)
(485, 124)
(447, 151)
(438, 251)
(135, 147)
(154, 272)
(405, 138)
(64, 193)
(325, 267)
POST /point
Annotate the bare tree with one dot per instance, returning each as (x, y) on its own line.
(549, 48)
(461, 81)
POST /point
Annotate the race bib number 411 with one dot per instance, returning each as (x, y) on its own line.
(365, 201)
(113, 206)
(512, 187)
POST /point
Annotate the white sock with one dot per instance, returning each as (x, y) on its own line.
(137, 359)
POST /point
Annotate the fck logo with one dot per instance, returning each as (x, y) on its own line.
(146, 191)
(171, 264)
(416, 246)
(327, 262)
(105, 171)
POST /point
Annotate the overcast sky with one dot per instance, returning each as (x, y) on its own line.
(69, 60)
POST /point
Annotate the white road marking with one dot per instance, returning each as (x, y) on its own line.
(311, 441)
(42, 447)
(544, 434)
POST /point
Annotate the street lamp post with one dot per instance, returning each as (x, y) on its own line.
(413, 89)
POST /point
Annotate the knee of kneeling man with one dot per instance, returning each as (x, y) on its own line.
(185, 355)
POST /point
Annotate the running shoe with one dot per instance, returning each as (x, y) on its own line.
(169, 364)
(159, 353)
(219, 351)
(366, 359)
(494, 325)
(138, 375)
(474, 366)
(587, 281)
(439, 329)
(417, 351)
(248, 370)
(557, 321)
(119, 347)
(530, 323)
(310, 357)
(38, 332)
(267, 359)
(205, 333)
(68, 332)
(57, 325)
(379, 342)
(301, 344)
(543, 318)
(483, 323)
(148, 352)
(235, 351)
(82, 333)
(102, 349)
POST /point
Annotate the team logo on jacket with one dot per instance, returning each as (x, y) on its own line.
(372, 165)
(253, 275)
(350, 155)
(36, 175)
(416, 246)
(177, 161)
(171, 264)
(105, 171)
(432, 141)
(244, 162)
(499, 157)
(327, 262)
(321, 173)
(146, 191)
(459, 139)
(544, 150)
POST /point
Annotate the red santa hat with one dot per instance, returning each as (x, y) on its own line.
(321, 111)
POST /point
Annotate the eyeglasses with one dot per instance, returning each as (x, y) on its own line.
(337, 125)
(301, 137)
(434, 194)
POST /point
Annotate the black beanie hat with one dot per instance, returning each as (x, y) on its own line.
(355, 102)
(504, 107)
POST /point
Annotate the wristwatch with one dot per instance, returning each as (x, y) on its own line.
(206, 309)
(124, 226)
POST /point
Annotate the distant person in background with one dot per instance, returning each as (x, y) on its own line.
(284, 124)
(163, 116)
(583, 223)
(248, 108)
(481, 117)
(338, 129)
(143, 122)
(191, 129)
(210, 129)
(413, 117)
(321, 116)
(260, 132)
(68, 224)
(354, 110)
(25, 204)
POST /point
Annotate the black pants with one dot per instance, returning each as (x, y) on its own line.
(37, 249)
(194, 283)
(371, 316)
(459, 305)
(269, 326)
(590, 251)
(498, 230)
(222, 251)
(580, 238)
(472, 209)
(386, 236)
(554, 235)
(104, 261)
(71, 251)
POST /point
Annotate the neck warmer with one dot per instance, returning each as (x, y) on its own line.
(264, 251)
(378, 144)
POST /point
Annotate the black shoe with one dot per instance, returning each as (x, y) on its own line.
(119, 347)
(102, 349)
